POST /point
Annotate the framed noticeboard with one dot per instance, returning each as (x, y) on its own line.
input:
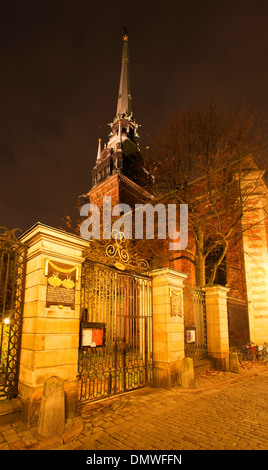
(190, 335)
(92, 335)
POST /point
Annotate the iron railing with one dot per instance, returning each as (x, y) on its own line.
(195, 323)
(12, 280)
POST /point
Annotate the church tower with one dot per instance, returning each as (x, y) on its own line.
(119, 169)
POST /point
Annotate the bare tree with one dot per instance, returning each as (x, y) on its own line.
(207, 158)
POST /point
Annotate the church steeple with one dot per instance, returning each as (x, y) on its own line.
(121, 155)
(124, 110)
(124, 102)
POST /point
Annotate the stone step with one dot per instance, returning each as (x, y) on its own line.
(10, 411)
(203, 365)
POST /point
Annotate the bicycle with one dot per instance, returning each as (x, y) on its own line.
(248, 352)
(263, 352)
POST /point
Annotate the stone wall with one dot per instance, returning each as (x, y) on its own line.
(256, 262)
(50, 335)
(168, 327)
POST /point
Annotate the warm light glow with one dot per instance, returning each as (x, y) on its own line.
(120, 266)
(6, 321)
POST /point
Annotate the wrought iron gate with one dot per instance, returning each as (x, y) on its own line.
(12, 279)
(195, 323)
(115, 353)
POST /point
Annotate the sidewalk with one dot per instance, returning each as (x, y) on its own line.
(214, 378)
(17, 436)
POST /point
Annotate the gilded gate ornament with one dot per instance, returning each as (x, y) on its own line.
(54, 280)
(68, 283)
(119, 253)
(118, 248)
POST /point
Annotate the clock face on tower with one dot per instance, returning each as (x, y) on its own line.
(105, 153)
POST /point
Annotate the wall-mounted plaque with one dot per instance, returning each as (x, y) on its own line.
(176, 302)
(92, 335)
(61, 279)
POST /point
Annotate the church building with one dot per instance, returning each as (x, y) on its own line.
(120, 172)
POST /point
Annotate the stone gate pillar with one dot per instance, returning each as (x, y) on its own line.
(168, 326)
(217, 325)
(50, 332)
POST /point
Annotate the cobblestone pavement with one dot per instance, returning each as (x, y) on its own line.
(224, 411)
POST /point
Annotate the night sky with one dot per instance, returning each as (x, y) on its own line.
(59, 78)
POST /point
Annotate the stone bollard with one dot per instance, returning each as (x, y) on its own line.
(52, 412)
(233, 363)
(187, 372)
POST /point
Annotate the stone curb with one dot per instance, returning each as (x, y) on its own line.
(74, 432)
(240, 378)
(57, 441)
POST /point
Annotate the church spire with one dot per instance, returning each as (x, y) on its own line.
(99, 151)
(124, 125)
(124, 102)
(121, 155)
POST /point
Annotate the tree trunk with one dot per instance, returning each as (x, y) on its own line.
(200, 259)
(217, 264)
(200, 270)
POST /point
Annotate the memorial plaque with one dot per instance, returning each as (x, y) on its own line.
(176, 303)
(61, 279)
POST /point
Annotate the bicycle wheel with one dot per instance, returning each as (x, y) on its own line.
(240, 357)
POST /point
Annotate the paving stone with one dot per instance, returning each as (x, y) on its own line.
(17, 445)
(19, 426)
(5, 427)
(4, 446)
(71, 446)
(11, 438)
(48, 443)
(28, 441)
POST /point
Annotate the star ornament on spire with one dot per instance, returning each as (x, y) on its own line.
(125, 37)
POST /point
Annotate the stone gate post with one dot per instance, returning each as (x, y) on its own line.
(168, 326)
(50, 332)
(217, 325)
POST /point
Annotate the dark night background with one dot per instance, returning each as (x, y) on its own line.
(59, 76)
